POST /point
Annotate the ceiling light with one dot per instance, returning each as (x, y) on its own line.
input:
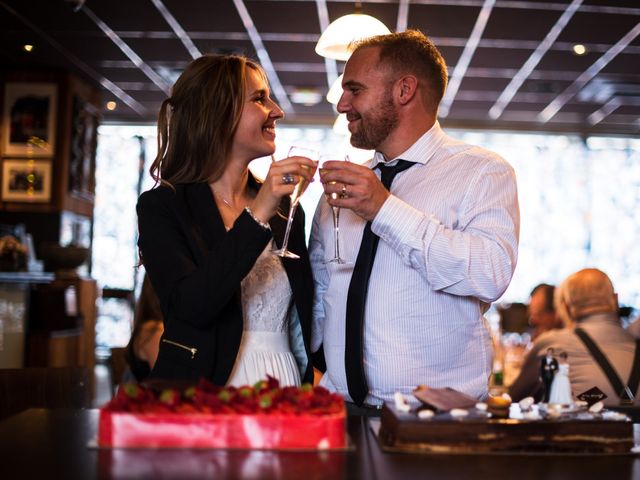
(579, 49)
(306, 96)
(335, 40)
(335, 92)
(341, 125)
(27, 48)
(111, 105)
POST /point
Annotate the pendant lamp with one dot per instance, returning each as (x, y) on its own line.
(335, 40)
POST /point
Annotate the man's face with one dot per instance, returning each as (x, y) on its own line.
(367, 100)
(538, 316)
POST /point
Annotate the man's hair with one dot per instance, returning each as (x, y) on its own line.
(548, 291)
(412, 52)
(587, 292)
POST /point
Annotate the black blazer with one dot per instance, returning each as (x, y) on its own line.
(196, 266)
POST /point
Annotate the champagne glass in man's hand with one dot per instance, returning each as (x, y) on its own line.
(299, 189)
(335, 210)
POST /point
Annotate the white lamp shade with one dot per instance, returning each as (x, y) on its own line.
(341, 125)
(335, 91)
(334, 42)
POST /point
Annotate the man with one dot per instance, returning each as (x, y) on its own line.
(542, 314)
(446, 231)
(591, 304)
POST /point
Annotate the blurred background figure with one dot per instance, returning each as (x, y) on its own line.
(142, 350)
(600, 352)
(634, 328)
(542, 313)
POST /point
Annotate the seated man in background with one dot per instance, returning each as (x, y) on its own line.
(588, 302)
(542, 313)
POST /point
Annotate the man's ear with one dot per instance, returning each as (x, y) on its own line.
(406, 87)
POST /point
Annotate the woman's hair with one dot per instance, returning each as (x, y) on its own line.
(197, 123)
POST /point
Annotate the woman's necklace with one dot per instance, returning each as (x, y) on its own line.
(224, 200)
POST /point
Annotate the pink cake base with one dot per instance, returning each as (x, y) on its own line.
(174, 430)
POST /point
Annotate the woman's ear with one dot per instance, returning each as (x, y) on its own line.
(407, 86)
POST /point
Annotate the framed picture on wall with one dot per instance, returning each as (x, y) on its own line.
(26, 180)
(29, 119)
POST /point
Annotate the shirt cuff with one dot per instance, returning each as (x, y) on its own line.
(399, 224)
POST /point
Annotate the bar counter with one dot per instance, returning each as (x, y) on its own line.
(57, 443)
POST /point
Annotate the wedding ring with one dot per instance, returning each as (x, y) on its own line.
(343, 192)
(288, 179)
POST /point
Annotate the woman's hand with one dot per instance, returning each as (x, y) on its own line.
(281, 180)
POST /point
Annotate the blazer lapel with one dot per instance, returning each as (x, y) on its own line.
(207, 221)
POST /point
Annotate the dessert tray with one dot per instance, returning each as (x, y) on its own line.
(459, 426)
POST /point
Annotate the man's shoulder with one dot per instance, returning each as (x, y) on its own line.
(556, 338)
(463, 151)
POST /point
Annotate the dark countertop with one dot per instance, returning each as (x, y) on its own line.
(26, 277)
(41, 443)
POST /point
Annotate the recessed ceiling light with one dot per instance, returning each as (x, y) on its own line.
(111, 105)
(306, 96)
(579, 49)
(27, 48)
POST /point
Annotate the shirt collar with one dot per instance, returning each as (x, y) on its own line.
(420, 152)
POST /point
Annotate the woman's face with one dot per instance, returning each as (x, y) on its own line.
(255, 135)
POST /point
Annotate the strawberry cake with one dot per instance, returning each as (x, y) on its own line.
(263, 416)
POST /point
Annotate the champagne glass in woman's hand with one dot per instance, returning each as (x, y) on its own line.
(301, 186)
(335, 210)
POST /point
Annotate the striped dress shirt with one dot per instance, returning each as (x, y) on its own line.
(448, 248)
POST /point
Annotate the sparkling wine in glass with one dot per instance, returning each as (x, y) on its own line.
(335, 211)
(301, 186)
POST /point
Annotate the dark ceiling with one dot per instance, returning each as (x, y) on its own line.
(511, 63)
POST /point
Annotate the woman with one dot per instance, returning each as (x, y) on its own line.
(142, 350)
(233, 311)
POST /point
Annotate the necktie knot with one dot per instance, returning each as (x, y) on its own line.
(387, 174)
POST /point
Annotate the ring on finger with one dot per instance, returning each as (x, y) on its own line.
(288, 179)
(343, 191)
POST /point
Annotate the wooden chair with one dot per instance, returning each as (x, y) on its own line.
(63, 387)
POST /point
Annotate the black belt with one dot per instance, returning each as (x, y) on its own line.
(365, 410)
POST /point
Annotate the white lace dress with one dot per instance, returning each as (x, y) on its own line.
(265, 350)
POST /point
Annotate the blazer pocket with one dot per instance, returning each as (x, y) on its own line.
(193, 351)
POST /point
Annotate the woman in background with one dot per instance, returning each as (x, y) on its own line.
(233, 311)
(142, 350)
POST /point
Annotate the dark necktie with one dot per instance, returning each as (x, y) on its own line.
(357, 297)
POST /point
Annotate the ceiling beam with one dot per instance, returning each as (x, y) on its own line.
(465, 58)
(177, 29)
(403, 16)
(103, 81)
(533, 60)
(263, 57)
(128, 51)
(558, 102)
(330, 64)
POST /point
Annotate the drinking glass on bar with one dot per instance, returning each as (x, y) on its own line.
(301, 186)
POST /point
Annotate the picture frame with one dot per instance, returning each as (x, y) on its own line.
(83, 146)
(29, 119)
(26, 180)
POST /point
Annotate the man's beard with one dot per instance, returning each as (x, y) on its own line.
(376, 126)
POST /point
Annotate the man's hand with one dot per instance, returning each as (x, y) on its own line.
(356, 187)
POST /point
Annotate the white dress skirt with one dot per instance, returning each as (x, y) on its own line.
(264, 349)
(561, 386)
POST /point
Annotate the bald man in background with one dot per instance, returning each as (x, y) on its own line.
(588, 303)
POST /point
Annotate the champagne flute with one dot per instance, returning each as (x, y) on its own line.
(301, 186)
(335, 211)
